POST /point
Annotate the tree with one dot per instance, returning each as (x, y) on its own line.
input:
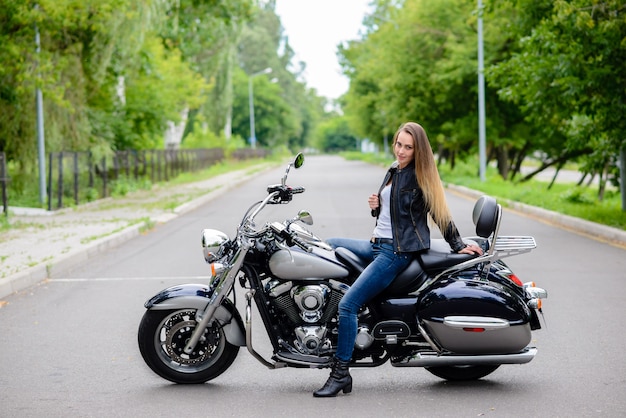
(567, 75)
(416, 62)
(335, 135)
(289, 119)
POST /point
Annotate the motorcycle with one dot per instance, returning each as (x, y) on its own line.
(459, 316)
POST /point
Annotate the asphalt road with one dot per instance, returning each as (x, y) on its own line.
(68, 346)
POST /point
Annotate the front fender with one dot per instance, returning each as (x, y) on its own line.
(196, 296)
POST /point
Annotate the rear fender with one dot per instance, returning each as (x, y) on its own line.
(196, 296)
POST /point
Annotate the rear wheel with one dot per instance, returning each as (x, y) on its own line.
(162, 338)
(460, 373)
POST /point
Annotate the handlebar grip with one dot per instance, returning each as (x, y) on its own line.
(297, 189)
(302, 244)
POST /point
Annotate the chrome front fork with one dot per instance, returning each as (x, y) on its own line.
(223, 288)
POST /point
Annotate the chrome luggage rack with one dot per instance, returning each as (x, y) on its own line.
(507, 246)
(500, 246)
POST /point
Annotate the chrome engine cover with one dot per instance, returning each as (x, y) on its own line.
(311, 340)
(311, 300)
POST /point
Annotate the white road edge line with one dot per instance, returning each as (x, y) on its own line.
(123, 279)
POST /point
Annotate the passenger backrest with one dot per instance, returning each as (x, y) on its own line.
(485, 216)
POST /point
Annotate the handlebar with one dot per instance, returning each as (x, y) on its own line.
(277, 193)
(301, 243)
(284, 193)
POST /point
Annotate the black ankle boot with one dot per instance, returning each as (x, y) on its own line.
(339, 379)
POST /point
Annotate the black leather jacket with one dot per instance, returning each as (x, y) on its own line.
(409, 218)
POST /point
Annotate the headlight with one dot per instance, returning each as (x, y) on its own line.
(212, 244)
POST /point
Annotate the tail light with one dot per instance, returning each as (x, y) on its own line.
(511, 276)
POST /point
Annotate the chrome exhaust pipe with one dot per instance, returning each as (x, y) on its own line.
(431, 359)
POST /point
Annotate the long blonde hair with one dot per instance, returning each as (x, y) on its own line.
(427, 175)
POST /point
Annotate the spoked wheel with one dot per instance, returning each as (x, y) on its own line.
(162, 338)
(460, 373)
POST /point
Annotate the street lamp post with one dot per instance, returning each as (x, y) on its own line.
(41, 148)
(251, 104)
(482, 154)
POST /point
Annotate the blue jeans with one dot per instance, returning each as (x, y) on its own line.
(384, 266)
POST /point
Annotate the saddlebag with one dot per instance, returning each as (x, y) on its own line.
(474, 317)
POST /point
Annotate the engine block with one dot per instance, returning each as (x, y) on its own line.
(305, 303)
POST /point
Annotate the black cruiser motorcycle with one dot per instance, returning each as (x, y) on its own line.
(458, 316)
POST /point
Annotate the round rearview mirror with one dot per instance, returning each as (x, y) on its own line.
(299, 161)
(305, 216)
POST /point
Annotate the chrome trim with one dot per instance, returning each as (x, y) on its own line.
(428, 339)
(488, 323)
(533, 303)
(271, 366)
(536, 292)
(433, 359)
(213, 244)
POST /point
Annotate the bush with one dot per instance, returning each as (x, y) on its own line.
(577, 195)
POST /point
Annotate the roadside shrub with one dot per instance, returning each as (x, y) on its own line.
(577, 195)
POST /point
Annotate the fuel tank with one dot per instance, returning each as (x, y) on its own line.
(294, 264)
(475, 317)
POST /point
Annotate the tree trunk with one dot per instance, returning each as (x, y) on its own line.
(556, 173)
(560, 160)
(503, 162)
(519, 159)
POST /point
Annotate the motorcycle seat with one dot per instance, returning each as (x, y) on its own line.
(440, 256)
(427, 263)
(409, 280)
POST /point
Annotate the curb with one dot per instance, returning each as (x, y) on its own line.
(589, 229)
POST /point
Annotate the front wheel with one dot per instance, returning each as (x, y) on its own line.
(162, 338)
(461, 373)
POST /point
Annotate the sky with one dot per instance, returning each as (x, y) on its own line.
(314, 29)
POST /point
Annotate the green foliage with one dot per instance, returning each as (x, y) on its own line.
(554, 79)
(372, 158)
(563, 198)
(201, 137)
(4, 222)
(124, 185)
(112, 72)
(566, 74)
(274, 118)
(577, 195)
(286, 112)
(162, 88)
(91, 194)
(335, 135)
(415, 64)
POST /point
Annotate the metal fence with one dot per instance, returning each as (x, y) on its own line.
(4, 182)
(78, 177)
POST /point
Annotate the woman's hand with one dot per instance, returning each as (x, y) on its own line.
(373, 201)
(471, 249)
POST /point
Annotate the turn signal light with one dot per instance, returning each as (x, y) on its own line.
(216, 268)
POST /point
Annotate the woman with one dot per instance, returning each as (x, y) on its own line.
(401, 206)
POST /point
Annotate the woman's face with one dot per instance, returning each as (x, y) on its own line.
(404, 149)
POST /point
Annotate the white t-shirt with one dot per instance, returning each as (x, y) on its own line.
(383, 226)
